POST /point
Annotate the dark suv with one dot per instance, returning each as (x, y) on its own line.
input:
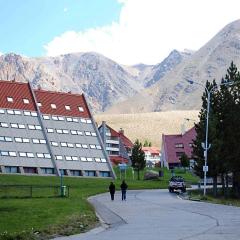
(177, 183)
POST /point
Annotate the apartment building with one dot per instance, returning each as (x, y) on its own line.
(49, 133)
(117, 145)
(175, 145)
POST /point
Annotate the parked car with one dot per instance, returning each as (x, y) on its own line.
(177, 183)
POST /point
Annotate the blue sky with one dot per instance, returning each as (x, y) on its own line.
(127, 31)
(27, 25)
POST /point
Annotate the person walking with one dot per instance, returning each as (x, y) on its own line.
(124, 187)
(112, 190)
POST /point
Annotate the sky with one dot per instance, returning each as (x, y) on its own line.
(127, 31)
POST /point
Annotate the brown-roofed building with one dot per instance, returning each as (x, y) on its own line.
(117, 145)
(173, 146)
(49, 133)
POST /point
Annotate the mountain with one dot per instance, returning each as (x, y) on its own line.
(102, 80)
(173, 92)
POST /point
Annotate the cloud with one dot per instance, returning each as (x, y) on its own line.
(65, 9)
(148, 30)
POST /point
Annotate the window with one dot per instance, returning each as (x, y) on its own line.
(33, 114)
(10, 99)
(103, 160)
(60, 131)
(104, 174)
(2, 111)
(79, 133)
(75, 120)
(80, 109)
(11, 112)
(179, 154)
(10, 169)
(190, 144)
(55, 144)
(8, 139)
(27, 113)
(92, 146)
(84, 146)
(22, 154)
(18, 139)
(74, 158)
(89, 121)
(90, 173)
(38, 127)
(73, 132)
(93, 134)
(30, 155)
(47, 155)
(97, 159)
(67, 107)
(25, 101)
(31, 127)
(65, 131)
(75, 172)
(36, 141)
(61, 118)
(59, 157)
(4, 125)
(53, 106)
(40, 155)
(39, 104)
(14, 125)
(89, 159)
(83, 120)
(47, 170)
(87, 133)
(42, 141)
(83, 159)
(45, 117)
(50, 130)
(12, 154)
(63, 144)
(98, 147)
(68, 158)
(55, 118)
(26, 140)
(70, 145)
(179, 145)
(78, 145)
(21, 126)
(4, 153)
(17, 112)
(69, 119)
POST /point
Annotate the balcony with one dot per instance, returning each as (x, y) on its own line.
(112, 141)
(112, 149)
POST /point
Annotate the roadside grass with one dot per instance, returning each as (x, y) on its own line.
(197, 195)
(46, 217)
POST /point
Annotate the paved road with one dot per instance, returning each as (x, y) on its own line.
(159, 215)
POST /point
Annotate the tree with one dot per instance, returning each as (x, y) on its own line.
(184, 161)
(138, 157)
(147, 143)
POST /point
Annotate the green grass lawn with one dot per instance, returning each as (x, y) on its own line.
(198, 195)
(63, 216)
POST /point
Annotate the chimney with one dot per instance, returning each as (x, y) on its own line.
(121, 131)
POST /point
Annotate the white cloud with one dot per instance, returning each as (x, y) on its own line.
(148, 30)
(65, 9)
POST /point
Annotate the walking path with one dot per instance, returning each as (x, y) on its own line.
(159, 215)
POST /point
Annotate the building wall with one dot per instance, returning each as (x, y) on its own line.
(74, 138)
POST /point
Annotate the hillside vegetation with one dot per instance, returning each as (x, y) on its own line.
(150, 126)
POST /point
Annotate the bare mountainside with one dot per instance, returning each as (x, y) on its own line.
(173, 92)
(150, 126)
(103, 81)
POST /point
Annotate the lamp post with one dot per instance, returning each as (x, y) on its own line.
(205, 145)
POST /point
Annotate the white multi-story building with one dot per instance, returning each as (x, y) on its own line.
(49, 133)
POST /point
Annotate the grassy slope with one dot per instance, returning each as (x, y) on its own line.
(149, 126)
(17, 215)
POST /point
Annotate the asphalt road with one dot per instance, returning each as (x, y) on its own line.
(159, 215)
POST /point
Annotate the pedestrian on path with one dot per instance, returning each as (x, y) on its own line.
(123, 187)
(112, 190)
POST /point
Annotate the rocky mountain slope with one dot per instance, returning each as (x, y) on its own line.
(102, 80)
(173, 92)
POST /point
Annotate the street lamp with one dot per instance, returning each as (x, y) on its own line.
(206, 146)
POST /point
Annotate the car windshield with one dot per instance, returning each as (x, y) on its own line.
(177, 179)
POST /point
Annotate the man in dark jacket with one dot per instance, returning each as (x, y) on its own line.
(124, 187)
(112, 190)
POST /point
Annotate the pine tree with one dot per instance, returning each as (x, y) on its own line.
(138, 157)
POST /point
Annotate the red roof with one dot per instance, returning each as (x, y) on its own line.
(18, 91)
(126, 141)
(170, 141)
(153, 150)
(118, 159)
